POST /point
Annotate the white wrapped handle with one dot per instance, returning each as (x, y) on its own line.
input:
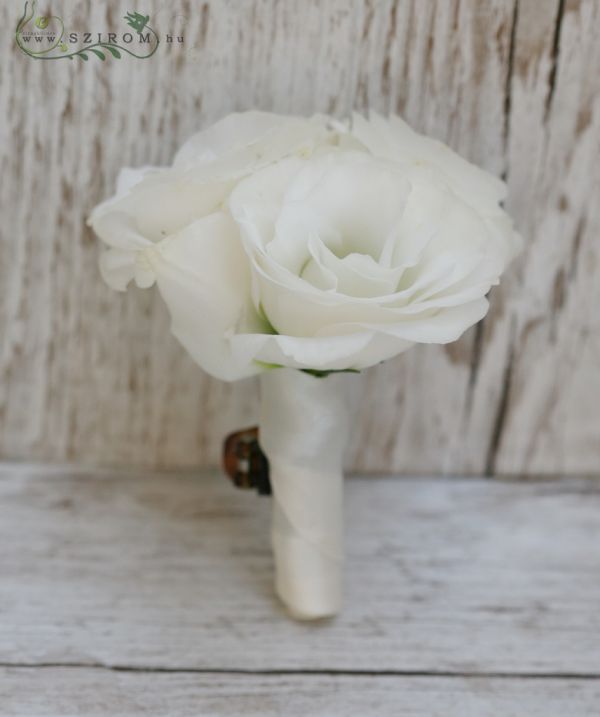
(303, 432)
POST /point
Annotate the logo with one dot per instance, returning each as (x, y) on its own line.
(45, 38)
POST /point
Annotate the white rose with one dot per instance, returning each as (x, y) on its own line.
(308, 244)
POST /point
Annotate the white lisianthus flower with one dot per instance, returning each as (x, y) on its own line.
(316, 245)
(308, 243)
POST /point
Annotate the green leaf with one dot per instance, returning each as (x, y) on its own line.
(83, 56)
(113, 51)
(99, 54)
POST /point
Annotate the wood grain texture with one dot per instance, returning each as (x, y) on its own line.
(56, 692)
(149, 572)
(87, 375)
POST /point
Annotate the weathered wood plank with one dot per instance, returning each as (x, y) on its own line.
(175, 571)
(55, 692)
(87, 375)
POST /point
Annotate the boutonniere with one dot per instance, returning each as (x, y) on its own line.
(305, 250)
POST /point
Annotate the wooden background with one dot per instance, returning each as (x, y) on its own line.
(91, 376)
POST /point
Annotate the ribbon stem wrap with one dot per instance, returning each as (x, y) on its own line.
(303, 431)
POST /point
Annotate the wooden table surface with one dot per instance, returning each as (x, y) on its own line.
(151, 594)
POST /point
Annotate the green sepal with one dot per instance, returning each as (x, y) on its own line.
(323, 374)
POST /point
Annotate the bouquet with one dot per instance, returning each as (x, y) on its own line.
(304, 250)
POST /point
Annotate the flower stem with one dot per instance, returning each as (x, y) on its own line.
(303, 431)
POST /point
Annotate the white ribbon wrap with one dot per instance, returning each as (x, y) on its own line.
(303, 431)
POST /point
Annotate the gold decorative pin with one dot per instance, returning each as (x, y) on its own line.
(244, 461)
